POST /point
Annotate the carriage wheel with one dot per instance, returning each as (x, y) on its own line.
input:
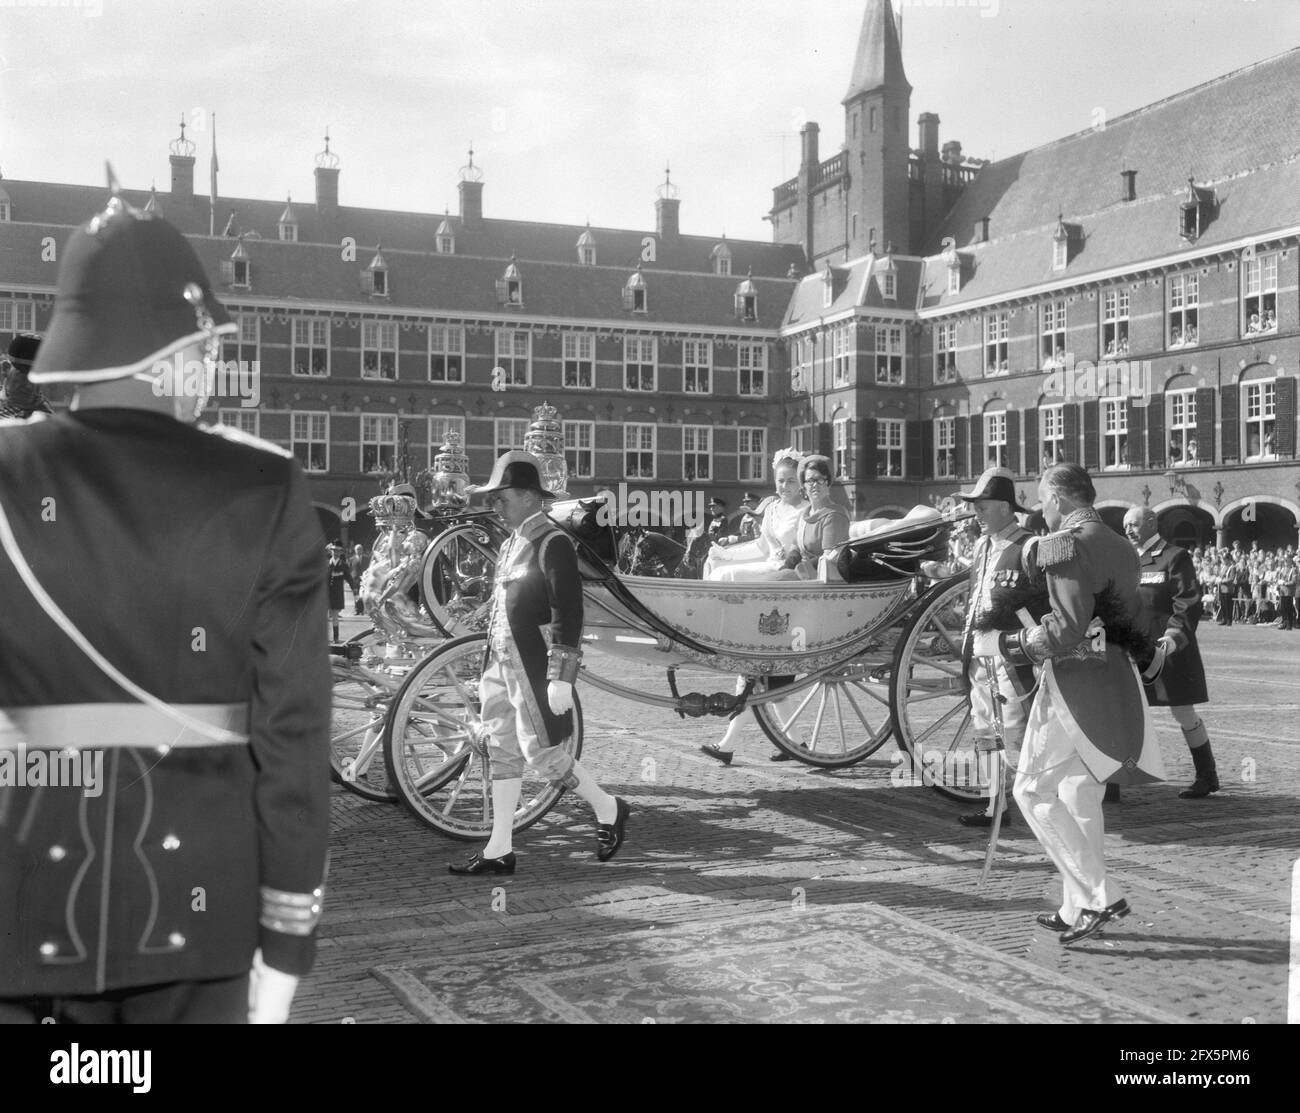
(929, 704)
(359, 704)
(436, 751)
(456, 579)
(838, 721)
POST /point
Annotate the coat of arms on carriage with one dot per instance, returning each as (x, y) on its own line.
(774, 623)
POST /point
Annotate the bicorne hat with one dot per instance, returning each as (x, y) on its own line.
(516, 470)
(23, 349)
(995, 483)
(131, 292)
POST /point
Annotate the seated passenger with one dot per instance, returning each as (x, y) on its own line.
(764, 557)
(823, 525)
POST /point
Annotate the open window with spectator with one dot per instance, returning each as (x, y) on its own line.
(1053, 334)
(1114, 324)
(997, 328)
(1259, 295)
(1184, 312)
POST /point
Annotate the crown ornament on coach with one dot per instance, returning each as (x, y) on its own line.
(450, 473)
(545, 440)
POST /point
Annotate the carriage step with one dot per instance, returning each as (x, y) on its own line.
(697, 704)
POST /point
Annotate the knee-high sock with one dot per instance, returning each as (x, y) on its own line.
(602, 803)
(1197, 735)
(505, 799)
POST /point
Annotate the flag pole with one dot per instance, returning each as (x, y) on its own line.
(212, 185)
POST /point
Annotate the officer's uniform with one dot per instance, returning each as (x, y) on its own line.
(1171, 595)
(537, 586)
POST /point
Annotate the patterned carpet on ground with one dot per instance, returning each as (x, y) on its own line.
(847, 964)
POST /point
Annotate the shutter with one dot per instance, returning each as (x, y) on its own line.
(1205, 425)
(228, 272)
(914, 453)
(503, 291)
(1070, 431)
(1091, 435)
(868, 454)
(927, 449)
(961, 442)
(1230, 415)
(367, 282)
(826, 439)
(1136, 455)
(1031, 442)
(1157, 446)
(1285, 424)
(1013, 442)
(977, 464)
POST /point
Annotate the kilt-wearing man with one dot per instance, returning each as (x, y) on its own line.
(1171, 596)
(1089, 722)
(526, 688)
(999, 589)
(163, 589)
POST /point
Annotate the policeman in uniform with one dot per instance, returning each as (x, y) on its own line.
(999, 589)
(1171, 594)
(526, 689)
(160, 581)
(1089, 723)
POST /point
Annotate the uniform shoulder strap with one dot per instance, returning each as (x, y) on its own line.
(1056, 549)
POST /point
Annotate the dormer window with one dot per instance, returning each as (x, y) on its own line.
(828, 287)
(747, 300)
(236, 271)
(634, 293)
(1060, 255)
(887, 278)
(5, 211)
(510, 287)
(289, 223)
(1196, 211)
(1064, 239)
(954, 278)
(445, 239)
(374, 279)
(722, 258)
(587, 248)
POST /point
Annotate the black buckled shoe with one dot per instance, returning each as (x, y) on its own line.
(717, 752)
(980, 819)
(476, 864)
(609, 836)
(1090, 922)
(1052, 921)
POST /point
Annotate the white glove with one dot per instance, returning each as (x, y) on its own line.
(1153, 670)
(1167, 643)
(559, 694)
(270, 993)
(987, 643)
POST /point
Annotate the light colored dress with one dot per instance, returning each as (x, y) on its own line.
(764, 557)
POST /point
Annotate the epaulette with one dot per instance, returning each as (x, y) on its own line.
(1056, 548)
(230, 433)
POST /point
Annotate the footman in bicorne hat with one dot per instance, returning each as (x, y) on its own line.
(19, 397)
(526, 689)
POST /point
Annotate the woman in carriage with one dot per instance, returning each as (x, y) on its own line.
(764, 558)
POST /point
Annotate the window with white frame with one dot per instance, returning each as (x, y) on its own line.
(945, 448)
(243, 420)
(579, 448)
(752, 364)
(1052, 338)
(309, 435)
(1114, 432)
(1114, 324)
(954, 278)
(889, 447)
(841, 455)
(801, 358)
(439, 428)
(639, 451)
(1052, 430)
(639, 357)
(242, 345)
(4, 210)
(697, 361)
(509, 433)
(1183, 449)
(514, 348)
(1259, 295)
(311, 346)
(379, 349)
(945, 352)
(1184, 293)
(842, 354)
(579, 354)
(889, 355)
(697, 453)
(751, 455)
(17, 315)
(995, 439)
(996, 331)
(446, 354)
(1261, 418)
(378, 442)
(889, 286)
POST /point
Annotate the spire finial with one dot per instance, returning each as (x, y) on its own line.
(327, 159)
(182, 146)
(470, 172)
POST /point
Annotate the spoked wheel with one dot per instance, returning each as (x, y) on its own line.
(436, 747)
(456, 578)
(838, 721)
(359, 704)
(929, 703)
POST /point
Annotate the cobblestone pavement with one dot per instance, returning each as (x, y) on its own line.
(721, 859)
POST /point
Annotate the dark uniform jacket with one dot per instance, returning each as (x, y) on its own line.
(999, 588)
(538, 592)
(1172, 596)
(192, 562)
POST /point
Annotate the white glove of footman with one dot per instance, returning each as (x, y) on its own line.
(270, 993)
(987, 643)
(559, 694)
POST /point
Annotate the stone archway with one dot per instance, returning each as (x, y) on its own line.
(1266, 519)
(331, 523)
(1186, 525)
(1112, 512)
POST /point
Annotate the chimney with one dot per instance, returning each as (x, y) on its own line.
(327, 180)
(1129, 190)
(952, 152)
(667, 208)
(809, 134)
(982, 230)
(182, 160)
(471, 193)
(929, 125)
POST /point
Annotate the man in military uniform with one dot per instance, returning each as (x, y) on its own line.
(1089, 723)
(19, 397)
(526, 689)
(1171, 594)
(163, 590)
(999, 589)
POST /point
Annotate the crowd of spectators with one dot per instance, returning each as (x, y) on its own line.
(1248, 583)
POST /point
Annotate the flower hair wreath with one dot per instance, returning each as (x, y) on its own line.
(792, 454)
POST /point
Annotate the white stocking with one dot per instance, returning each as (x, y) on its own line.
(505, 799)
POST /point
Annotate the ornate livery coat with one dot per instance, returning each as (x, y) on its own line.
(192, 562)
(1000, 587)
(1172, 596)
